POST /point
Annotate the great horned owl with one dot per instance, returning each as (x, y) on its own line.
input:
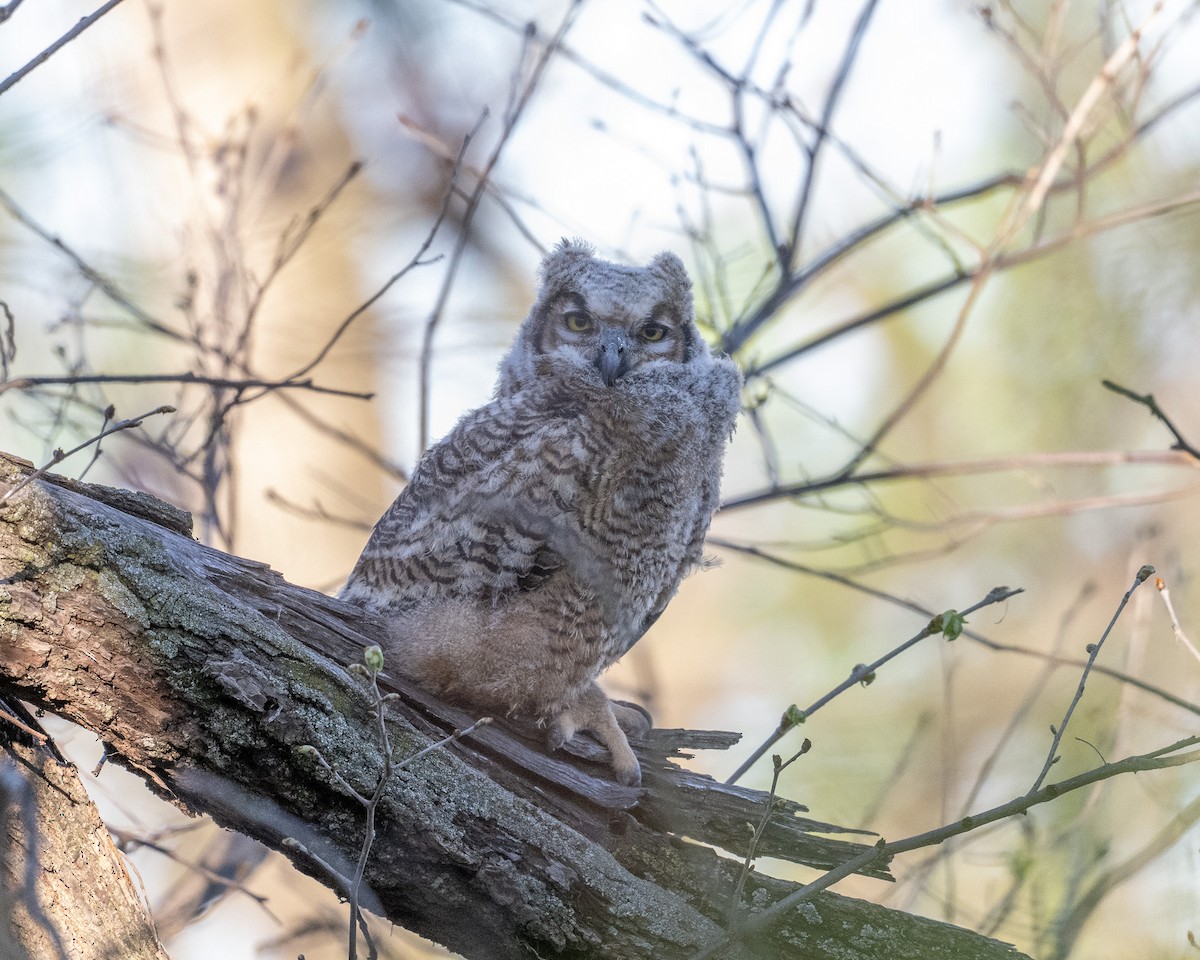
(538, 541)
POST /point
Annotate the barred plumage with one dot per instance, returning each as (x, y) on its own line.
(541, 537)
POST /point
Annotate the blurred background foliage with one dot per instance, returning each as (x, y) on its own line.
(221, 189)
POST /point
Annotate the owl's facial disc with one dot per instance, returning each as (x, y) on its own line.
(614, 336)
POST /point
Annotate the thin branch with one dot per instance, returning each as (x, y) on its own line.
(778, 766)
(290, 242)
(1147, 400)
(831, 103)
(37, 735)
(926, 380)
(952, 468)
(186, 379)
(129, 842)
(1105, 79)
(516, 107)
(1093, 652)
(1175, 627)
(8, 340)
(865, 673)
(9, 9)
(972, 635)
(522, 27)
(1160, 759)
(915, 878)
(57, 45)
(999, 264)
(59, 456)
(111, 290)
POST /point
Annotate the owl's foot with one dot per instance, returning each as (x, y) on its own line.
(633, 718)
(594, 712)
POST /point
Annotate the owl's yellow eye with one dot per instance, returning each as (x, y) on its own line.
(577, 321)
(653, 332)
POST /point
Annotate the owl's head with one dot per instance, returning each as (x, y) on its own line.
(608, 315)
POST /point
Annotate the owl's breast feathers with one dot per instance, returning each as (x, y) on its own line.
(598, 495)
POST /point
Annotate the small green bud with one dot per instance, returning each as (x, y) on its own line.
(373, 658)
(952, 623)
(793, 716)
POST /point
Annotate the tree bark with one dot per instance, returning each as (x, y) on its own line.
(205, 672)
(66, 892)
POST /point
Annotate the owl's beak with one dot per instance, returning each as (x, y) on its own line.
(612, 360)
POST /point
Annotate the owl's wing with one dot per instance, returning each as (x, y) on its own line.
(490, 510)
(716, 396)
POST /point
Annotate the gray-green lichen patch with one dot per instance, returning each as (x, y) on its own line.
(809, 913)
(31, 515)
(167, 642)
(114, 590)
(63, 578)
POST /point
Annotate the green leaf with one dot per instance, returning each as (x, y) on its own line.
(952, 623)
(793, 716)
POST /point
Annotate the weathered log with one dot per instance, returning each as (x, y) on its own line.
(205, 672)
(64, 888)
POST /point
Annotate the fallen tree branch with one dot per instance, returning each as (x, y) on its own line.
(85, 905)
(205, 673)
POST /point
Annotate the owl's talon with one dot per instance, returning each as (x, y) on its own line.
(556, 740)
(633, 719)
(629, 776)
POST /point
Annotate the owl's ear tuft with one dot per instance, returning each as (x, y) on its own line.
(671, 269)
(563, 262)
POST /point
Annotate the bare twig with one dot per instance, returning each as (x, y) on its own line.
(37, 735)
(950, 624)
(59, 455)
(832, 99)
(518, 101)
(369, 669)
(1161, 759)
(1093, 652)
(955, 468)
(110, 288)
(9, 9)
(414, 262)
(8, 342)
(1079, 118)
(1178, 630)
(973, 635)
(185, 379)
(289, 243)
(129, 842)
(999, 263)
(1147, 400)
(915, 878)
(778, 766)
(57, 45)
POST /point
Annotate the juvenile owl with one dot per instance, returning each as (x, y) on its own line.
(538, 541)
